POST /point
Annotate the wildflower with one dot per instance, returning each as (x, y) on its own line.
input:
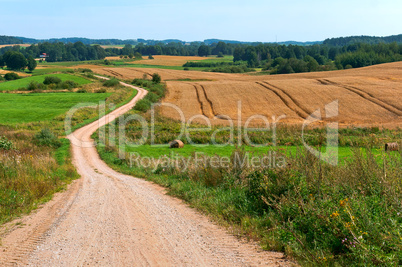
(335, 214)
(343, 202)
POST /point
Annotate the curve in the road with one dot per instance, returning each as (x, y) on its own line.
(107, 218)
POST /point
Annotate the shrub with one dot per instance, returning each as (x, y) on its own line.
(220, 54)
(102, 90)
(186, 68)
(137, 81)
(5, 144)
(35, 86)
(107, 62)
(156, 78)
(89, 75)
(142, 105)
(51, 80)
(137, 55)
(111, 83)
(47, 138)
(11, 76)
(82, 90)
(68, 71)
(150, 56)
(68, 84)
(86, 70)
(1, 78)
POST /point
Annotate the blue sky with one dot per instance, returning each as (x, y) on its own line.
(190, 20)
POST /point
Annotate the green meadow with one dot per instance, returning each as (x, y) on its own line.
(20, 108)
(24, 82)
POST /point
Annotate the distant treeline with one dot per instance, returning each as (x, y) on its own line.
(60, 51)
(273, 57)
(9, 40)
(342, 41)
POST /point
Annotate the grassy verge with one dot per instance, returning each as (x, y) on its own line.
(31, 174)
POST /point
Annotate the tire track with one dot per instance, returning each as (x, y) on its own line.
(367, 96)
(18, 243)
(199, 101)
(297, 103)
(287, 101)
(211, 105)
(114, 73)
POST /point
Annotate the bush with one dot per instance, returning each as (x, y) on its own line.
(150, 56)
(142, 105)
(68, 84)
(186, 68)
(102, 90)
(107, 62)
(156, 78)
(68, 71)
(5, 144)
(1, 78)
(82, 90)
(137, 55)
(46, 138)
(85, 70)
(220, 54)
(11, 76)
(111, 83)
(51, 80)
(137, 81)
(35, 86)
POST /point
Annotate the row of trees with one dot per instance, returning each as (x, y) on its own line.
(60, 51)
(17, 61)
(254, 55)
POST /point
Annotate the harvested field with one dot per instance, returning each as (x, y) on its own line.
(21, 74)
(369, 96)
(168, 60)
(22, 45)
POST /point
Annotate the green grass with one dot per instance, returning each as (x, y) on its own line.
(24, 82)
(218, 59)
(21, 108)
(46, 71)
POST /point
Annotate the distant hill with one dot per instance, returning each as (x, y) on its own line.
(9, 40)
(86, 41)
(341, 41)
(211, 41)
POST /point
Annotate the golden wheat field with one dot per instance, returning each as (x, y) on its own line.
(22, 45)
(161, 60)
(370, 96)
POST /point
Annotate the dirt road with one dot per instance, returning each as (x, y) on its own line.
(110, 219)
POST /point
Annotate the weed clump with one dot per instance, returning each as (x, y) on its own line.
(6, 144)
(111, 83)
(47, 138)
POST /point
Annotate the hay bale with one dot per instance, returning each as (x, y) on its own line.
(391, 147)
(176, 144)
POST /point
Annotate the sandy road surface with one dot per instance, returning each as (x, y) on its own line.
(110, 219)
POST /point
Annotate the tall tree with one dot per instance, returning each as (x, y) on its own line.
(15, 60)
(31, 63)
(203, 51)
